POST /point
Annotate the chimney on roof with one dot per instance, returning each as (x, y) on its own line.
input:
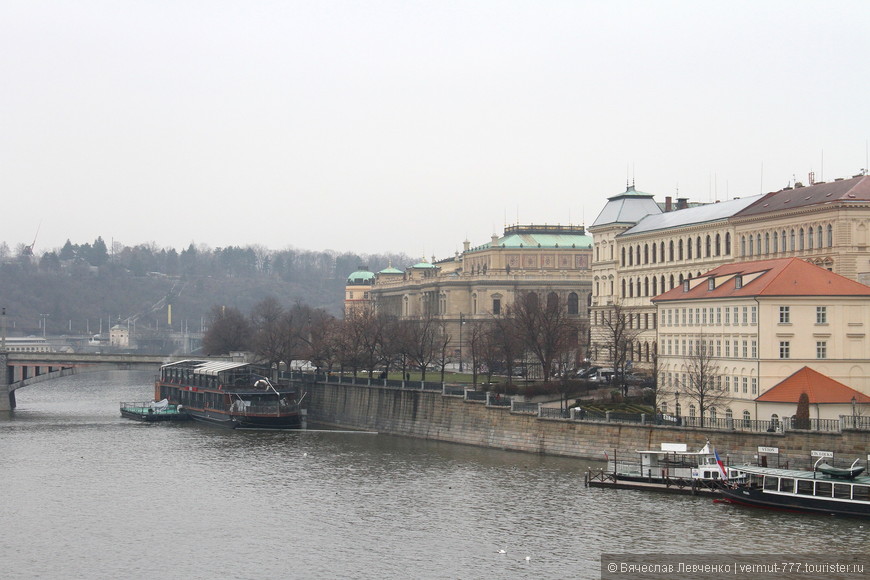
(682, 202)
(668, 203)
(798, 184)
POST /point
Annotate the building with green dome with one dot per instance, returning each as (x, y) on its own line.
(481, 281)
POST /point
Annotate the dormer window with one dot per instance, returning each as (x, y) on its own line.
(738, 282)
(711, 284)
(685, 285)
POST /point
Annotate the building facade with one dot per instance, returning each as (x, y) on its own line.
(746, 326)
(643, 248)
(481, 281)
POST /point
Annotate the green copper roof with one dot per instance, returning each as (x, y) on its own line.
(541, 237)
(390, 270)
(361, 277)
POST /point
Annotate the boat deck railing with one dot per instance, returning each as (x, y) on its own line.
(144, 407)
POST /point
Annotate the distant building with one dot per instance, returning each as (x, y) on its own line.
(483, 280)
(27, 344)
(357, 290)
(119, 337)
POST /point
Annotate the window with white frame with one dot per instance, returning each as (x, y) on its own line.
(821, 349)
(784, 314)
(784, 349)
(821, 314)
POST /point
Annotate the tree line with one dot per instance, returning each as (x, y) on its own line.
(367, 341)
(83, 287)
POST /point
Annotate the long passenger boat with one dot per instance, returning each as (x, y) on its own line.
(229, 394)
(819, 491)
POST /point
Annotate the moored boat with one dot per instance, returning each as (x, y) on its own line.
(808, 491)
(229, 394)
(671, 468)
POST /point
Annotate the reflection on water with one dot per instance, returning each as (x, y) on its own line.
(87, 494)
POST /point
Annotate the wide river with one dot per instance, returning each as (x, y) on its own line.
(87, 494)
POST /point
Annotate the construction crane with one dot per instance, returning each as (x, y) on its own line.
(28, 250)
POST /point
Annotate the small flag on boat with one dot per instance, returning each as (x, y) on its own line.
(721, 465)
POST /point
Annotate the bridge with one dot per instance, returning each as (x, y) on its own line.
(21, 369)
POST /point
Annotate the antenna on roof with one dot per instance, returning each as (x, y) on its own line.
(822, 168)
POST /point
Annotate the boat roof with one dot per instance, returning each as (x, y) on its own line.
(799, 474)
(207, 367)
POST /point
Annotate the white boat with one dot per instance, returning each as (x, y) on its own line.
(673, 463)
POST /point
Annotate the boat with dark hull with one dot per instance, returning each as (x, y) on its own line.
(802, 491)
(229, 394)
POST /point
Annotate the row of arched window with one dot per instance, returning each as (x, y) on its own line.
(691, 248)
(792, 240)
(646, 286)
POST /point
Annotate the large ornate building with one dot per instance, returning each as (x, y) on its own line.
(643, 248)
(481, 281)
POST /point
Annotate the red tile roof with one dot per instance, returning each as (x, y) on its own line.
(818, 387)
(779, 277)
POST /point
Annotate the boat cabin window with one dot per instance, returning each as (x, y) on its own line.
(771, 483)
(823, 488)
(786, 484)
(805, 486)
(842, 491)
(861, 492)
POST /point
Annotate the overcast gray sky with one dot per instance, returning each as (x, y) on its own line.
(409, 126)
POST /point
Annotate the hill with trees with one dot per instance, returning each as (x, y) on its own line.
(84, 288)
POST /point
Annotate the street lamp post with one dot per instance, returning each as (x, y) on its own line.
(43, 316)
(461, 324)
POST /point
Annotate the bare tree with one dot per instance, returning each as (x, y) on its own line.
(546, 330)
(228, 330)
(701, 378)
(421, 341)
(476, 331)
(506, 343)
(268, 338)
(618, 338)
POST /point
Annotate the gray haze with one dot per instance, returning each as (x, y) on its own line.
(408, 126)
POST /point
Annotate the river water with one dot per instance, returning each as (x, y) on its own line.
(87, 494)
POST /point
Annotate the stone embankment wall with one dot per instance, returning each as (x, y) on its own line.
(431, 415)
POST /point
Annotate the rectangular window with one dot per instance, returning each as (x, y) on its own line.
(784, 349)
(704, 317)
(745, 315)
(727, 382)
(736, 385)
(727, 316)
(691, 317)
(745, 349)
(745, 385)
(821, 314)
(821, 349)
(727, 348)
(496, 306)
(718, 315)
(784, 314)
(736, 314)
(718, 348)
(754, 386)
(754, 349)
(754, 313)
